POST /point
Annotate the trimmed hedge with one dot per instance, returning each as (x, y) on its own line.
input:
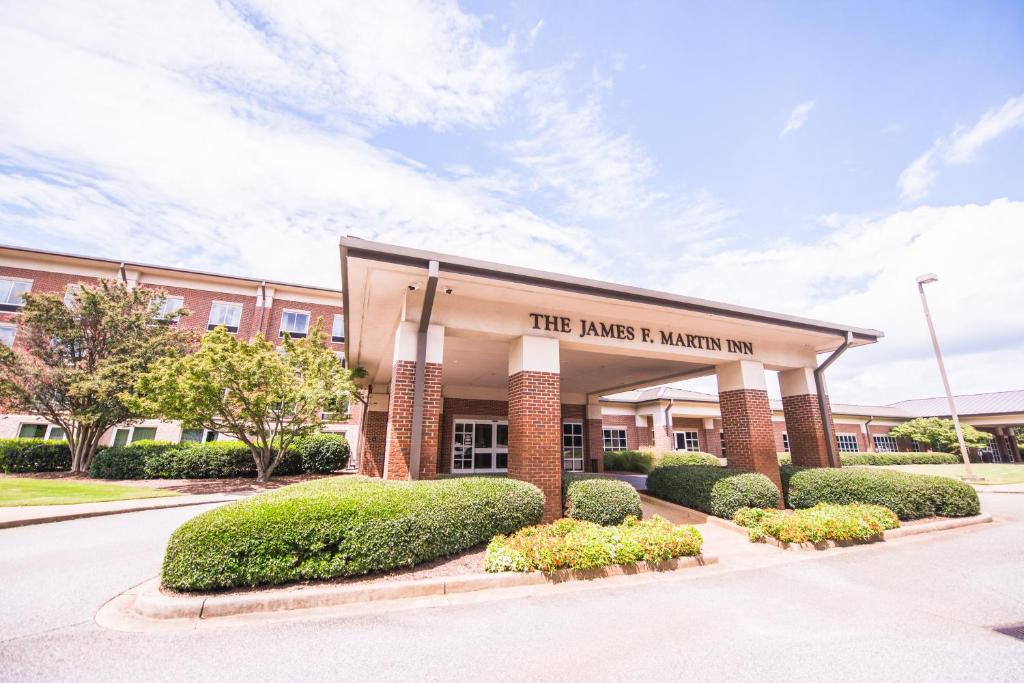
(322, 453)
(343, 526)
(189, 460)
(628, 461)
(719, 491)
(888, 459)
(823, 522)
(900, 459)
(576, 544)
(34, 455)
(910, 496)
(689, 458)
(599, 500)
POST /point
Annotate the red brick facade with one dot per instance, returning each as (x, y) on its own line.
(399, 433)
(808, 445)
(372, 443)
(594, 432)
(534, 435)
(749, 435)
(626, 422)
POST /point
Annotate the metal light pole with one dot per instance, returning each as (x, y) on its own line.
(922, 280)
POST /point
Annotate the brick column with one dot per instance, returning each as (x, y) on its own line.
(398, 447)
(1014, 448)
(747, 419)
(535, 418)
(595, 437)
(808, 444)
(373, 436)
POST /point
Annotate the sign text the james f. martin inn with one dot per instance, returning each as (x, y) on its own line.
(594, 328)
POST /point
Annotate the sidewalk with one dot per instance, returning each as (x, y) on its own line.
(1000, 488)
(42, 514)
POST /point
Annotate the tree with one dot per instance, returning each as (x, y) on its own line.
(79, 360)
(262, 395)
(940, 434)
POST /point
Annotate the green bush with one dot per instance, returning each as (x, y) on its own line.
(888, 459)
(628, 461)
(343, 526)
(823, 522)
(34, 455)
(322, 452)
(719, 491)
(128, 461)
(189, 460)
(910, 496)
(576, 544)
(599, 500)
(900, 459)
(688, 458)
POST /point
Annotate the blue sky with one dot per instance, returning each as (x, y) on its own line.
(810, 158)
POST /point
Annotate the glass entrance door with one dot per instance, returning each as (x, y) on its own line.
(480, 446)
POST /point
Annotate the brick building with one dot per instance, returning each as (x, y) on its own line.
(245, 306)
(479, 368)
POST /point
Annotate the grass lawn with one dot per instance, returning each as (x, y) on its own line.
(994, 473)
(16, 491)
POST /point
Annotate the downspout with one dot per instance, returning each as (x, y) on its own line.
(669, 426)
(263, 305)
(124, 275)
(819, 384)
(416, 441)
(868, 440)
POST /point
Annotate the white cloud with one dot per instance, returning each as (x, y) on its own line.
(797, 117)
(112, 149)
(572, 150)
(960, 147)
(863, 273)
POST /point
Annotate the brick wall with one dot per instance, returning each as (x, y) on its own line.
(805, 426)
(594, 432)
(691, 424)
(399, 432)
(749, 436)
(535, 431)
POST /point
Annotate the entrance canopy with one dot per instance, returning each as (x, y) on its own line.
(610, 337)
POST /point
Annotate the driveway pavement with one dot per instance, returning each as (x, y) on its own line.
(921, 608)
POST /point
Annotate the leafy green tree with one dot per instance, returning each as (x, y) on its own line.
(262, 395)
(940, 434)
(76, 363)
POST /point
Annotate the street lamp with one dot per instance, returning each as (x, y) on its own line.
(923, 280)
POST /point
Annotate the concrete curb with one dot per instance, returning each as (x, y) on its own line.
(891, 534)
(151, 603)
(29, 521)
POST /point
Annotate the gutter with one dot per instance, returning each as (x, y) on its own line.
(263, 294)
(416, 442)
(819, 383)
(669, 426)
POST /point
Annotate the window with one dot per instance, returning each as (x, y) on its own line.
(338, 329)
(124, 435)
(228, 315)
(71, 294)
(480, 446)
(687, 441)
(721, 438)
(7, 333)
(847, 442)
(785, 442)
(916, 446)
(572, 446)
(11, 292)
(56, 434)
(294, 323)
(170, 307)
(614, 439)
(32, 431)
(885, 444)
(197, 435)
